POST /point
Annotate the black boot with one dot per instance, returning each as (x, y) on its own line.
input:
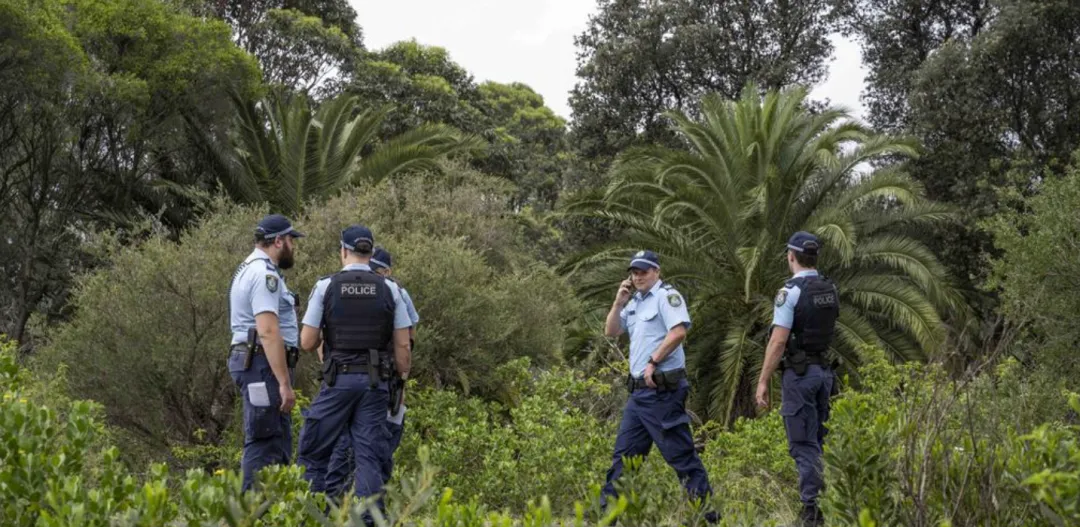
(811, 517)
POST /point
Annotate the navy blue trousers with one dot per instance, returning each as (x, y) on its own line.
(805, 408)
(659, 417)
(267, 431)
(342, 465)
(352, 410)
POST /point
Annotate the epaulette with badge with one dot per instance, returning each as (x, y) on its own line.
(273, 276)
(781, 297)
(674, 299)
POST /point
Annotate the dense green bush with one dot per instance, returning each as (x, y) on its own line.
(540, 442)
(1036, 274)
(917, 449)
(913, 448)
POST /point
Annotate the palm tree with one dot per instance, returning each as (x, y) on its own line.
(284, 153)
(719, 213)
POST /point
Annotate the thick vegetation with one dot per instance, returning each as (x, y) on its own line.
(977, 443)
(140, 141)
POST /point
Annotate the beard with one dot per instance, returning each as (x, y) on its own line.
(285, 261)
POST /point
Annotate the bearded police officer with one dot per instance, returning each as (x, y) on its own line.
(803, 325)
(341, 463)
(656, 318)
(263, 351)
(365, 325)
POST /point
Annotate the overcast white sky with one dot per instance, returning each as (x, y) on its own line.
(532, 41)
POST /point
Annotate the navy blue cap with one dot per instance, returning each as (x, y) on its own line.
(275, 225)
(645, 260)
(381, 258)
(354, 234)
(804, 242)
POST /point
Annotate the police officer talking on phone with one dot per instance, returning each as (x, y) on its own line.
(656, 317)
(365, 324)
(804, 322)
(263, 350)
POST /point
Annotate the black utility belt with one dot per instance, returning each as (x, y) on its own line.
(369, 361)
(800, 360)
(292, 353)
(816, 358)
(355, 367)
(664, 380)
(363, 357)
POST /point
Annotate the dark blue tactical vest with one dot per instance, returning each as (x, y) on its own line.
(358, 315)
(815, 314)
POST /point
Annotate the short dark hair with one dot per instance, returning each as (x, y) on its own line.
(808, 261)
(262, 242)
(363, 248)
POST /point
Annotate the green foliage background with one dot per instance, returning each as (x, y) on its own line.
(140, 140)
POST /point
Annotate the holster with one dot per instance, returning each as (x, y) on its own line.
(252, 345)
(397, 392)
(796, 360)
(668, 381)
(329, 372)
(373, 368)
(835, 381)
(800, 361)
(292, 356)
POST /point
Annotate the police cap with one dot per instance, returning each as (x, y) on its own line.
(645, 260)
(274, 225)
(353, 235)
(381, 258)
(804, 242)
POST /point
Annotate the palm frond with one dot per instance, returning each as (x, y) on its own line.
(284, 152)
(419, 149)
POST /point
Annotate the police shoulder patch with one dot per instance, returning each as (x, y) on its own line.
(781, 297)
(674, 299)
(272, 283)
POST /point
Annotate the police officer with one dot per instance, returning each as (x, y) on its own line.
(341, 463)
(364, 322)
(656, 318)
(263, 350)
(803, 325)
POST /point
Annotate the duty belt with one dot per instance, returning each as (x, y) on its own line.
(352, 368)
(664, 380)
(800, 360)
(292, 353)
(369, 363)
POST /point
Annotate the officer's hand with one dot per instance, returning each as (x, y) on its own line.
(762, 396)
(626, 288)
(649, 371)
(288, 398)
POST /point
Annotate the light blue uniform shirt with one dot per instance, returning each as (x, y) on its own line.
(787, 299)
(648, 318)
(258, 287)
(413, 315)
(313, 315)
